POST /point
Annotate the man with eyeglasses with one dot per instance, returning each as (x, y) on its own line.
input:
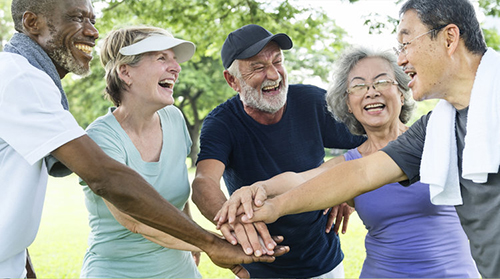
(455, 148)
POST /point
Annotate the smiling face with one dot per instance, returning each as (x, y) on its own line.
(69, 36)
(263, 82)
(374, 109)
(424, 60)
(152, 80)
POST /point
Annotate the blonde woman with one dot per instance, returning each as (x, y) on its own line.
(146, 132)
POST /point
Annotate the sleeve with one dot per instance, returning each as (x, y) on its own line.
(32, 119)
(215, 140)
(407, 150)
(182, 123)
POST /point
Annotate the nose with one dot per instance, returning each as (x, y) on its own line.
(89, 29)
(402, 59)
(272, 73)
(174, 67)
(372, 93)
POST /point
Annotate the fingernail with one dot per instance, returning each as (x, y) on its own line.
(271, 246)
(244, 218)
(249, 251)
(258, 253)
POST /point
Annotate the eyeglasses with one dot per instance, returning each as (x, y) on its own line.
(362, 88)
(402, 47)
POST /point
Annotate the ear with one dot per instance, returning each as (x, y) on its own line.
(232, 81)
(348, 106)
(452, 37)
(32, 23)
(124, 74)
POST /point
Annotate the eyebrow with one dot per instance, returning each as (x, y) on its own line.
(278, 55)
(377, 76)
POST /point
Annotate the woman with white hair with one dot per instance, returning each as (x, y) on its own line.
(147, 133)
(408, 236)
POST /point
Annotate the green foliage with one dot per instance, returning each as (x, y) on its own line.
(6, 24)
(317, 42)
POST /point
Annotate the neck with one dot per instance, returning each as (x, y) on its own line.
(379, 137)
(462, 79)
(264, 118)
(133, 119)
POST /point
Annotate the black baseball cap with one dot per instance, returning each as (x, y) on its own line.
(248, 41)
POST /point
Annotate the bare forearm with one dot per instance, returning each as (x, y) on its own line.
(208, 197)
(129, 192)
(339, 184)
(148, 232)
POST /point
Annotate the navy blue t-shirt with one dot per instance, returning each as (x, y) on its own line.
(253, 152)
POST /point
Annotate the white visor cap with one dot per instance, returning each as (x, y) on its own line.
(183, 50)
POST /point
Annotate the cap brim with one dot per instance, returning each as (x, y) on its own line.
(183, 50)
(281, 39)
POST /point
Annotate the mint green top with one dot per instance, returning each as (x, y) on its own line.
(113, 250)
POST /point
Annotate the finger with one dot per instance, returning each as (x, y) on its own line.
(254, 239)
(239, 271)
(278, 238)
(345, 222)
(242, 237)
(231, 212)
(260, 197)
(281, 250)
(340, 216)
(336, 227)
(326, 211)
(269, 242)
(330, 222)
(226, 232)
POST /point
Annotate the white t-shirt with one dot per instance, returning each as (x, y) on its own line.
(33, 123)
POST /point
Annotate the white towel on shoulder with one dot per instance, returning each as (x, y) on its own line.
(481, 155)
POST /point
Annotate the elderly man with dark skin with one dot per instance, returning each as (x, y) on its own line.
(454, 148)
(268, 128)
(56, 37)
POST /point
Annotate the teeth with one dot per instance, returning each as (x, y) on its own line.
(270, 87)
(85, 48)
(166, 83)
(374, 106)
(411, 74)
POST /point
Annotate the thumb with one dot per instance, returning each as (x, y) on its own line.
(239, 271)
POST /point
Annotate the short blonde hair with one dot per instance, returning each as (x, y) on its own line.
(112, 59)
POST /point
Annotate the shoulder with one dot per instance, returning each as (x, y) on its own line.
(16, 67)
(103, 126)
(171, 112)
(306, 89)
(227, 109)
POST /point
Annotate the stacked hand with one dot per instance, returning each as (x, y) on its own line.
(251, 204)
(225, 255)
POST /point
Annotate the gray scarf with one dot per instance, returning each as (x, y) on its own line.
(25, 46)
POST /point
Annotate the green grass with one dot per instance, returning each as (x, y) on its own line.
(62, 239)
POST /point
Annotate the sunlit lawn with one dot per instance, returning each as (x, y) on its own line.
(61, 242)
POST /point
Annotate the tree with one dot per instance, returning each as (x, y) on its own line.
(201, 87)
(6, 24)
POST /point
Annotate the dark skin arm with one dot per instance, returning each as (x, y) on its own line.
(132, 195)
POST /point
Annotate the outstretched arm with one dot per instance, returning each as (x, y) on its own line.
(132, 195)
(333, 186)
(148, 232)
(247, 197)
